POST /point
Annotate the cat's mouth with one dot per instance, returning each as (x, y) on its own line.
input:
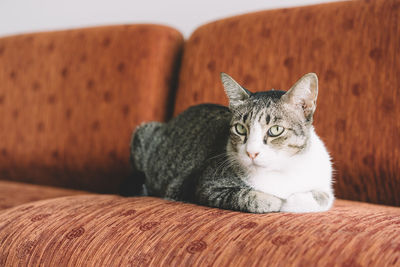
(253, 164)
(257, 165)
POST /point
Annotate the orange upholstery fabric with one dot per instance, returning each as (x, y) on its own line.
(14, 194)
(113, 231)
(352, 46)
(70, 100)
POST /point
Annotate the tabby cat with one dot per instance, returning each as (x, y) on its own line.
(259, 155)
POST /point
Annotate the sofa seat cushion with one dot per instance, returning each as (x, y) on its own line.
(13, 194)
(107, 230)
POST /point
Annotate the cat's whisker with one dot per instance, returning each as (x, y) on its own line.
(226, 164)
(222, 165)
(218, 156)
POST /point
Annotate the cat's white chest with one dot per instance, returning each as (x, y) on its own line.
(310, 171)
(272, 183)
(278, 184)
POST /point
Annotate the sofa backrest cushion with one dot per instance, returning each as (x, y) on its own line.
(352, 46)
(70, 100)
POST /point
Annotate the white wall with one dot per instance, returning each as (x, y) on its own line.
(19, 16)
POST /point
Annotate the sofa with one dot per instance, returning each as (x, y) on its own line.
(70, 100)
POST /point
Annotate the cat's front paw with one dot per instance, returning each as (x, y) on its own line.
(322, 198)
(312, 201)
(264, 202)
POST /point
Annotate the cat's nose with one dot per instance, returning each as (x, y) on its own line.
(252, 155)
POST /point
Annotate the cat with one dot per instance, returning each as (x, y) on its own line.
(260, 154)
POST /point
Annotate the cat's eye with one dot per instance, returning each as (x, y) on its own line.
(240, 129)
(275, 131)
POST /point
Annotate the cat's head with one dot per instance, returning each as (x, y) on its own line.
(269, 128)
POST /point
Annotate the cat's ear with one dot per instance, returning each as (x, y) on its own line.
(303, 94)
(233, 90)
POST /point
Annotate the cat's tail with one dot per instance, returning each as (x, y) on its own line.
(141, 144)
